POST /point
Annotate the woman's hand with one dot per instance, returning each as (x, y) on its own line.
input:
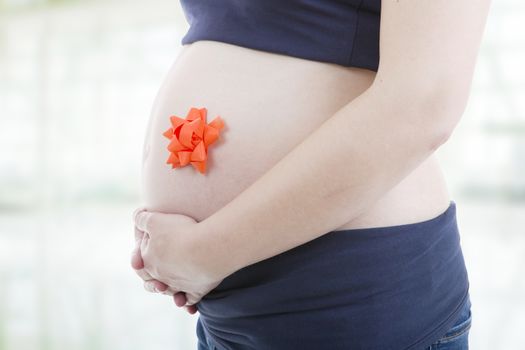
(163, 257)
(151, 284)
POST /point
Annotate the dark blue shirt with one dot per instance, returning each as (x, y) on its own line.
(344, 32)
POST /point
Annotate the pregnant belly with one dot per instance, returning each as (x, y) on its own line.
(269, 104)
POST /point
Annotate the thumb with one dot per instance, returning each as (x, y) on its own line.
(136, 211)
(145, 221)
(138, 235)
(155, 222)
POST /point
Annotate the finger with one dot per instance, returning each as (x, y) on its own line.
(179, 298)
(136, 211)
(138, 234)
(191, 309)
(155, 286)
(149, 287)
(144, 243)
(136, 258)
(144, 275)
(159, 286)
(191, 299)
(144, 221)
(169, 291)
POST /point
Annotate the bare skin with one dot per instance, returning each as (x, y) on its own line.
(271, 103)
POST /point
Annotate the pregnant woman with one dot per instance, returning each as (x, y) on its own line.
(322, 219)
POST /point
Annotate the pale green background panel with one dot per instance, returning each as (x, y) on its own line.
(77, 82)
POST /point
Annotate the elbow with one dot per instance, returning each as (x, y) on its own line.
(442, 108)
(438, 137)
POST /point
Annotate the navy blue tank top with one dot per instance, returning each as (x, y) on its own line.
(344, 32)
(394, 287)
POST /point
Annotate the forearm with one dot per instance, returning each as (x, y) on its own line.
(335, 174)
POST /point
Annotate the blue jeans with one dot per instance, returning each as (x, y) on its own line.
(456, 337)
(203, 341)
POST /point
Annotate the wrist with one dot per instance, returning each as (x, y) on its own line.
(209, 254)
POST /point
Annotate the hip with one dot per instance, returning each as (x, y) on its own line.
(405, 282)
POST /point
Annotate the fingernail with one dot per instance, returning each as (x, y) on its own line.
(150, 287)
(136, 211)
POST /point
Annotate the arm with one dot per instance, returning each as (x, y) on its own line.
(428, 53)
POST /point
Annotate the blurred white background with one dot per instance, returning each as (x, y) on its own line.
(77, 81)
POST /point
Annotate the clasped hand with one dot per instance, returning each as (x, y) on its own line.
(163, 258)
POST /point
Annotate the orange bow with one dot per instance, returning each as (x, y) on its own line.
(191, 137)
